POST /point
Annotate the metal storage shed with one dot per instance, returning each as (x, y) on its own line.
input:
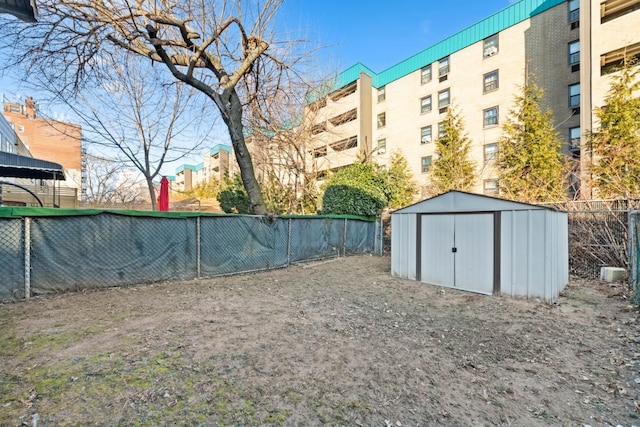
(482, 244)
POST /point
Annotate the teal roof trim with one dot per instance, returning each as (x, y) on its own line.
(216, 149)
(352, 74)
(195, 168)
(495, 23)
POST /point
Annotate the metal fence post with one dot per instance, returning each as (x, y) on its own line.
(377, 236)
(632, 253)
(344, 239)
(289, 242)
(27, 258)
(198, 243)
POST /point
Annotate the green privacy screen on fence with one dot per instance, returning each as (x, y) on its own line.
(45, 251)
(634, 255)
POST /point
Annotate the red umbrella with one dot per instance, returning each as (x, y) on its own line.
(163, 199)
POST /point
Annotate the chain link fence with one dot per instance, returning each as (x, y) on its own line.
(12, 259)
(41, 255)
(634, 255)
(598, 235)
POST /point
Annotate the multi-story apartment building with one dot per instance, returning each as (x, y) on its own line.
(51, 140)
(569, 46)
(218, 162)
(609, 31)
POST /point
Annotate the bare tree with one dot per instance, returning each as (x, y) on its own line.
(281, 132)
(107, 182)
(222, 49)
(142, 116)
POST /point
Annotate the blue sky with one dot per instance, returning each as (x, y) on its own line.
(380, 33)
(376, 33)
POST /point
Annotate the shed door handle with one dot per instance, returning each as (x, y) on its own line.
(454, 249)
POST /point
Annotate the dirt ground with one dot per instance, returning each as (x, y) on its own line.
(338, 342)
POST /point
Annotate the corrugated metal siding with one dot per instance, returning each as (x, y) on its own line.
(216, 149)
(403, 246)
(194, 168)
(436, 240)
(351, 74)
(475, 253)
(495, 23)
(534, 250)
(534, 256)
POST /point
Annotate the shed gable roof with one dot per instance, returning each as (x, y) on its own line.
(459, 201)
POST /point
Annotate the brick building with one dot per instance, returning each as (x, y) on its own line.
(47, 139)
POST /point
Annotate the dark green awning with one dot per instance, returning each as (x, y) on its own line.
(17, 166)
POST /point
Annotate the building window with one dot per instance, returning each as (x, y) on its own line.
(443, 67)
(490, 81)
(425, 74)
(319, 128)
(426, 164)
(574, 138)
(574, 52)
(425, 104)
(316, 105)
(444, 98)
(349, 116)
(319, 152)
(574, 10)
(491, 186)
(20, 128)
(382, 120)
(490, 152)
(344, 91)
(490, 116)
(574, 95)
(382, 93)
(382, 145)
(345, 144)
(612, 9)
(7, 146)
(613, 60)
(490, 46)
(425, 134)
(441, 130)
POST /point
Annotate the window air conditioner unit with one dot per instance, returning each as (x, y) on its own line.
(491, 51)
(382, 150)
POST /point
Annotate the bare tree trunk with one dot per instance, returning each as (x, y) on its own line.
(152, 193)
(233, 119)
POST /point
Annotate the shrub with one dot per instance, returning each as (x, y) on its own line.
(359, 189)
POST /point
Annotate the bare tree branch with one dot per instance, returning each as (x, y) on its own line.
(203, 43)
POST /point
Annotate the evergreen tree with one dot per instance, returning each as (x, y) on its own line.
(530, 163)
(400, 182)
(616, 145)
(452, 169)
(232, 196)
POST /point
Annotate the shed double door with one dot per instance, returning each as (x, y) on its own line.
(457, 250)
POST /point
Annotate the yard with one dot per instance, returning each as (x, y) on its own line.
(338, 342)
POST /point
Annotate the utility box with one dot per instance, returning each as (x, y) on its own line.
(613, 274)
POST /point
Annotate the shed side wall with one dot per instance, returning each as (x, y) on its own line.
(403, 246)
